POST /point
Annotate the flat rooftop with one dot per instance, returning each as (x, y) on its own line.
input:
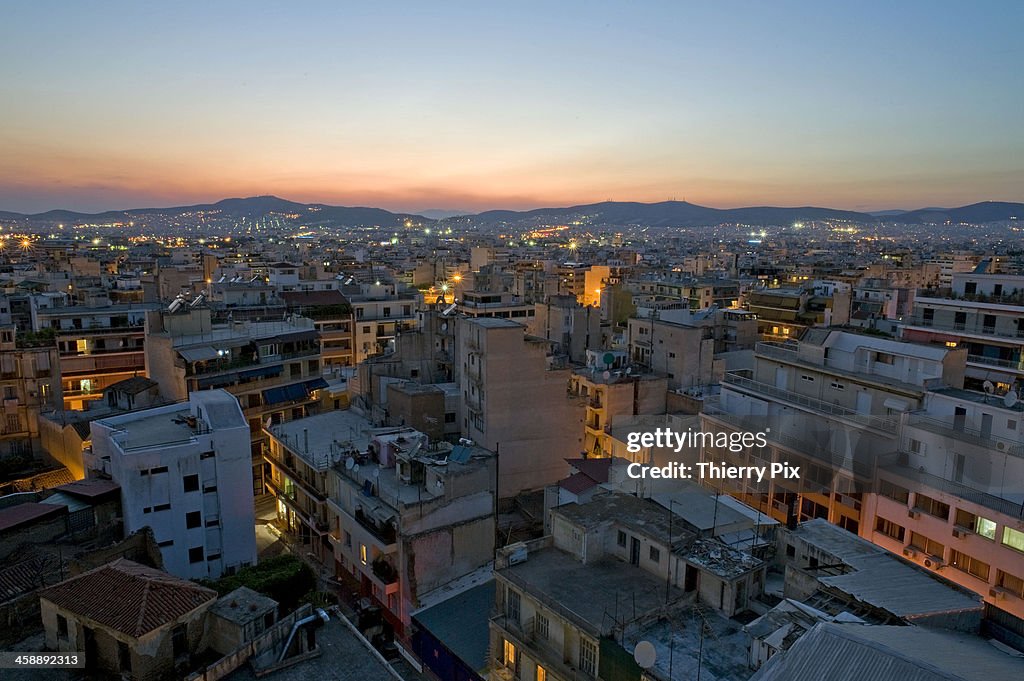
(642, 515)
(589, 594)
(147, 430)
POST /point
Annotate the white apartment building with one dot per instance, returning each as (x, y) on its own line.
(185, 471)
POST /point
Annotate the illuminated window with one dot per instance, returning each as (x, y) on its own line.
(1013, 538)
(509, 654)
(362, 554)
(542, 674)
(985, 527)
(82, 345)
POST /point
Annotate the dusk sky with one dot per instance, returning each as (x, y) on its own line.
(419, 105)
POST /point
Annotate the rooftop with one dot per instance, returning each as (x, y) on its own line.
(460, 623)
(589, 594)
(883, 580)
(243, 605)
(852, 652)
(641, 515)
(128, 597)
(29, 512)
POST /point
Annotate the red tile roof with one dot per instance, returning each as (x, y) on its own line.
(23, 514)
(595, 468)
(128, 597)
(577, 482)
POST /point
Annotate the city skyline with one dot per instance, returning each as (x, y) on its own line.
(412, 109)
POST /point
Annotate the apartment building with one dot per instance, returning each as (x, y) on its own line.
(98, 346)
(501, 305)
(30, 384)
(514, 398)
(573, 327)
(613, 571)
(832, 402)
(332, 316)
(682, 352)
(613, 393)
(383, 506)
(272, 368)
(381, 312)
(983, 313)
(950, 496)
(184, 471)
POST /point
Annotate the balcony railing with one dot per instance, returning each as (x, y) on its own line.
(892, 463)
(975, 327)
(1013, 364)
(884, 424)
(965, 434)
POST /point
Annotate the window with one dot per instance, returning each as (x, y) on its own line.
(162, 507)
(931, 506)
(207, 455)
(884, 358)
(929, 546)
(622, 538)
(838, 386)
(542, 674)
(655, 554)
(542, 626)
(985, 528)
(13, 423)
(790, 551)
(512, 605)
(1011, 583)
(969, 564)
(179, 641)
(124, 656)
(1013, 538)
(510, 656)
(348, 539)
(362, 554)
(62, 626)
(965, 519)
(195, 555)
(158, 469)
(193, 519)
(916, 447)
(190, 483)
(588, 657)
(889, 528)
(893, 491)
(805, 377)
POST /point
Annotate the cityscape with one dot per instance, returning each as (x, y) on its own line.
(422, 357)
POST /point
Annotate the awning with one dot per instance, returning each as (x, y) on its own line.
(296, 336)
(261, 372)
(316, 384)
(217, 381)
(285, 393)
(202, 354)
(896, 405)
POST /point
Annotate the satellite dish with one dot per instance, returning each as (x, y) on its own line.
(375, 473)
(606, 375)
(1010, 399)
(989, 387)
(355, 468)
(444, 326)
(645, 654)
(350, 463)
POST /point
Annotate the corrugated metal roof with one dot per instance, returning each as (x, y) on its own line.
(855, 652)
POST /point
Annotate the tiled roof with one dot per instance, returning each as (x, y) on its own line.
(594, 468)
(128, 597)
(577, 482)
(26, 513)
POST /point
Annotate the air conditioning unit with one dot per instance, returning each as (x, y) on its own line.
(933, 562)
(959, 534)
(997, 593)
(912, 514)
(909, 552)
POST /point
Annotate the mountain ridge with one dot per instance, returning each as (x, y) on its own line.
(657, 214)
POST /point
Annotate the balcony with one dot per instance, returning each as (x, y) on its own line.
(523, 635)
(893, 463)
(1011, 364)
(884, 424)
(964, 434)
(974, 327)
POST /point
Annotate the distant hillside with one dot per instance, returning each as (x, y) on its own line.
(252, 208)
(986, 211)
(611, 213)
(667, 214)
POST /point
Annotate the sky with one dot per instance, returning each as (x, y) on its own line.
(473, 105)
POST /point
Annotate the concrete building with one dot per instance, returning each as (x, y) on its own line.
(383, 506)
(381, 312)
(983, 313)
(514, 398)
(617, 395)
(185, 471)
(272, 368)
(30, 384)
(573, 327)
(98, 346)
(332, 316)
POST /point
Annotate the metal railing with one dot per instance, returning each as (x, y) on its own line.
(966, 434)
(885, 424)
(964, 327)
